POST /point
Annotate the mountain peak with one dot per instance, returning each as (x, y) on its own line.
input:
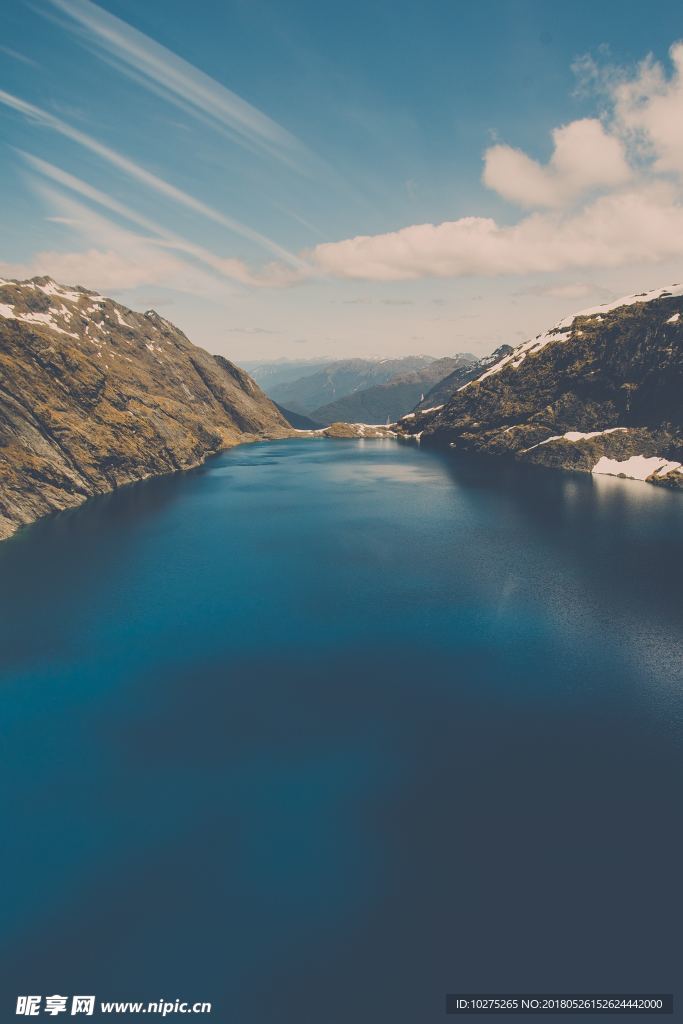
(565, 329)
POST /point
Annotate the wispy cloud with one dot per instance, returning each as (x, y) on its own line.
(250, 330)
(21, 57)
(139, 173)
(180, 82)
(225, 267)
(113, 259)
(570, 290)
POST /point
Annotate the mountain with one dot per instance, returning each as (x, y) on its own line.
(337, 379)
(600, 392)
(93, 396)
(389, 401)
(282, 371)
(445, 388)
(298, 421)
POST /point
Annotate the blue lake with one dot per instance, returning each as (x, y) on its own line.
(323, 730)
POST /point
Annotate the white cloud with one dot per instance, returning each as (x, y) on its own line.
(570, 290)
(643, 225)
(225, 267)
(153, 181)
(180, 82)
(637, 220)
(143, 254)
(585, 158)
(103, 270)
(648, 111)
(113, 258)
(21, 57)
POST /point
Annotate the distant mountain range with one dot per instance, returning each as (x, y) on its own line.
(320, 385)
(356, 390)
(391, 400)
(281, 371)
(600, 392)
(93, 395)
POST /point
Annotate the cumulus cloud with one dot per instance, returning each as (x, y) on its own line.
(589, 207)
(585, 158)
(648, 111)
(644, 224)
(609, 196)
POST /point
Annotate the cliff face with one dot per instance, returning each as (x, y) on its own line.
(93, 396)
(600, 392)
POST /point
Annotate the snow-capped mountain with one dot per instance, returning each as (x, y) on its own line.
(599, 392)
(444, 389)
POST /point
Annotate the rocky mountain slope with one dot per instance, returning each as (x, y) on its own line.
(338, 379)
(468, 369)
(389, 401)
(601, 392)
(297, 419)
(93, 396)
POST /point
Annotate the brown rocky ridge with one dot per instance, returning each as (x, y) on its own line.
(94, 396)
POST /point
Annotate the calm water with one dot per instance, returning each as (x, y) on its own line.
(324, 730)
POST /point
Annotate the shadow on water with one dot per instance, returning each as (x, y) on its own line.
(628, 530)
(54, 561)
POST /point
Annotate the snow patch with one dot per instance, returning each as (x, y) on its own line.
(638, 467)
(674, 319)
(628, 300)
(371, 426)
(52, 288)
(122, 322)
(574, 435)
(40, 319)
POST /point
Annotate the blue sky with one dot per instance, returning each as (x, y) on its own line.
(220, 160)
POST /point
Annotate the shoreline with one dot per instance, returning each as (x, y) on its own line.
(338, 432)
